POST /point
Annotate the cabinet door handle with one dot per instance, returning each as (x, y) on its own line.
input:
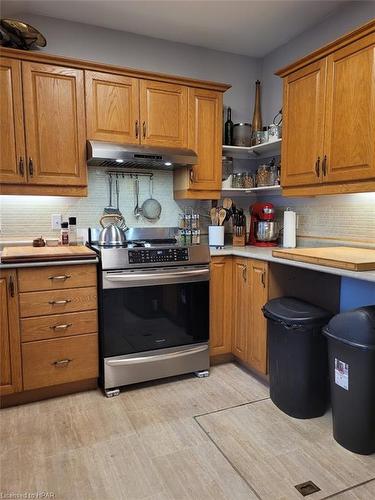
(62, 363)
(324, 165)
(136, 129)
(59, 302)
(60, 277)
(21, 167)
(263, 280)
(31, 167)
(317, 167)
(61, 327)
(11, 286)
(144, 130)
(191, 175)
(244, 273)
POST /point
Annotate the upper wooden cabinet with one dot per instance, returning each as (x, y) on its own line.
(164, 116)
(42, 129)
(303, 119)
(12, 138)
(112, 107)
(55, 124)
(349, 141)
(203, 180)
(10, 347)
(329, 118)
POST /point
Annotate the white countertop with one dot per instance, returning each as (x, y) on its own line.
(263, 253)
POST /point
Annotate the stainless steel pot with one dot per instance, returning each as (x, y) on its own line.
(112, 234)
(267, 230)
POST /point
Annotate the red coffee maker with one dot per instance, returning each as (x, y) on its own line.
(263, 226)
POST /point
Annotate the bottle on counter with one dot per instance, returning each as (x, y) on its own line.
(72, 231)
(64, 233)
(228, 128)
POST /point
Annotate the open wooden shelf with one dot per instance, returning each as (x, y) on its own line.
(265, 149)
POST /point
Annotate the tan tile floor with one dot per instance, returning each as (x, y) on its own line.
(184, 438)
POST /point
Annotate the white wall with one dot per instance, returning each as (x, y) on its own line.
(346, 18)
(83, 41)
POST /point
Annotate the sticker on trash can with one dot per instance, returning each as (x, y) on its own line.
(342, 374)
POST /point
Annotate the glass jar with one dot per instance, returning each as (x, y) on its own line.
(237, 180)
(263, 176)
(248, 180)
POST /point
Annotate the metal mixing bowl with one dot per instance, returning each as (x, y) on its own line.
(267, 230)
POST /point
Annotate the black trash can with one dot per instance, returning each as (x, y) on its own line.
(297, 357)
(351, 348)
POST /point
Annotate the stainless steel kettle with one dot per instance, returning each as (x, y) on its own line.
(112, 234)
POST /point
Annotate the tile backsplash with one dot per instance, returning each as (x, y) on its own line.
(343, 218)
(30, 216)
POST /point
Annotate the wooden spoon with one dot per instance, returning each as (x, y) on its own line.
(213, 213)
(222, 216)
(227, 203)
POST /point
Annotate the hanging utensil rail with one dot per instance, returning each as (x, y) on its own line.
(123, 173)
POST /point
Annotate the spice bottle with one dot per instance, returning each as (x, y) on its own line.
(64, 233)
(72, 231)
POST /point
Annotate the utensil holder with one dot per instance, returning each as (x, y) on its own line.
(216, 236)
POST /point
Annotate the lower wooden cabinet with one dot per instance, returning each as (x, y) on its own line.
(10, 363)
(220, 306)
(239, 290)
(54, 327)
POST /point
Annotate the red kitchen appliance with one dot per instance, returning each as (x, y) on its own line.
(264, 229)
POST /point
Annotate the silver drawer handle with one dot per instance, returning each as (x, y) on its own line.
(58, 302)
(62, 277)
(61, 327)
(62, 363)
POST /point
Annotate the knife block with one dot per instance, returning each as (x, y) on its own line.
(239, 240)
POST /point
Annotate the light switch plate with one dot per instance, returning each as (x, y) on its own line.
(56, 222)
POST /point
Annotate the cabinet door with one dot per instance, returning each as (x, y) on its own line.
(303, 115)
(349, 143)
(10, 366)
(221, 305)
(112, 107)
(55, 124)
(205, 126)
(257, 343)
(241, 306)
(164, 114)
(12, 139)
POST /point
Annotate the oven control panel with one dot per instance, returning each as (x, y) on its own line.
(155, 255)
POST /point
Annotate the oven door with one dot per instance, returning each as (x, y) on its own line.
(144, 310)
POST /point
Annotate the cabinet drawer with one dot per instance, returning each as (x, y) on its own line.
(58, 325)
(56, 277)
(59, 361)
(57, 301)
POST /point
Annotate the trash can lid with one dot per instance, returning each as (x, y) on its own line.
(294, 311)
(355, 327)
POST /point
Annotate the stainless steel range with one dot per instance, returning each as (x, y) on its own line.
(154, 308)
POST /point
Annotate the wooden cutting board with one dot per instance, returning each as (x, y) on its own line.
(18, 254)
(353, 259)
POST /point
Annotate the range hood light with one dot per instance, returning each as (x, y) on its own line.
(167, 163)
(119, 160)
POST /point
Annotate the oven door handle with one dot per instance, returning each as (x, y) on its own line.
(158, 278)
(156, 357)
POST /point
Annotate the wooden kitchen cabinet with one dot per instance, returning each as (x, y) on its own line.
(112, 107)
(257, 343)
(220, 306)
(328, 142)
(163, 114)
(241, 307)
(250, 293)
(303, 119)
(55, 124)
(10, 354)
(12, 139)
(203, 180)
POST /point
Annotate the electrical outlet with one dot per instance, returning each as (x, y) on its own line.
(56, 220)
